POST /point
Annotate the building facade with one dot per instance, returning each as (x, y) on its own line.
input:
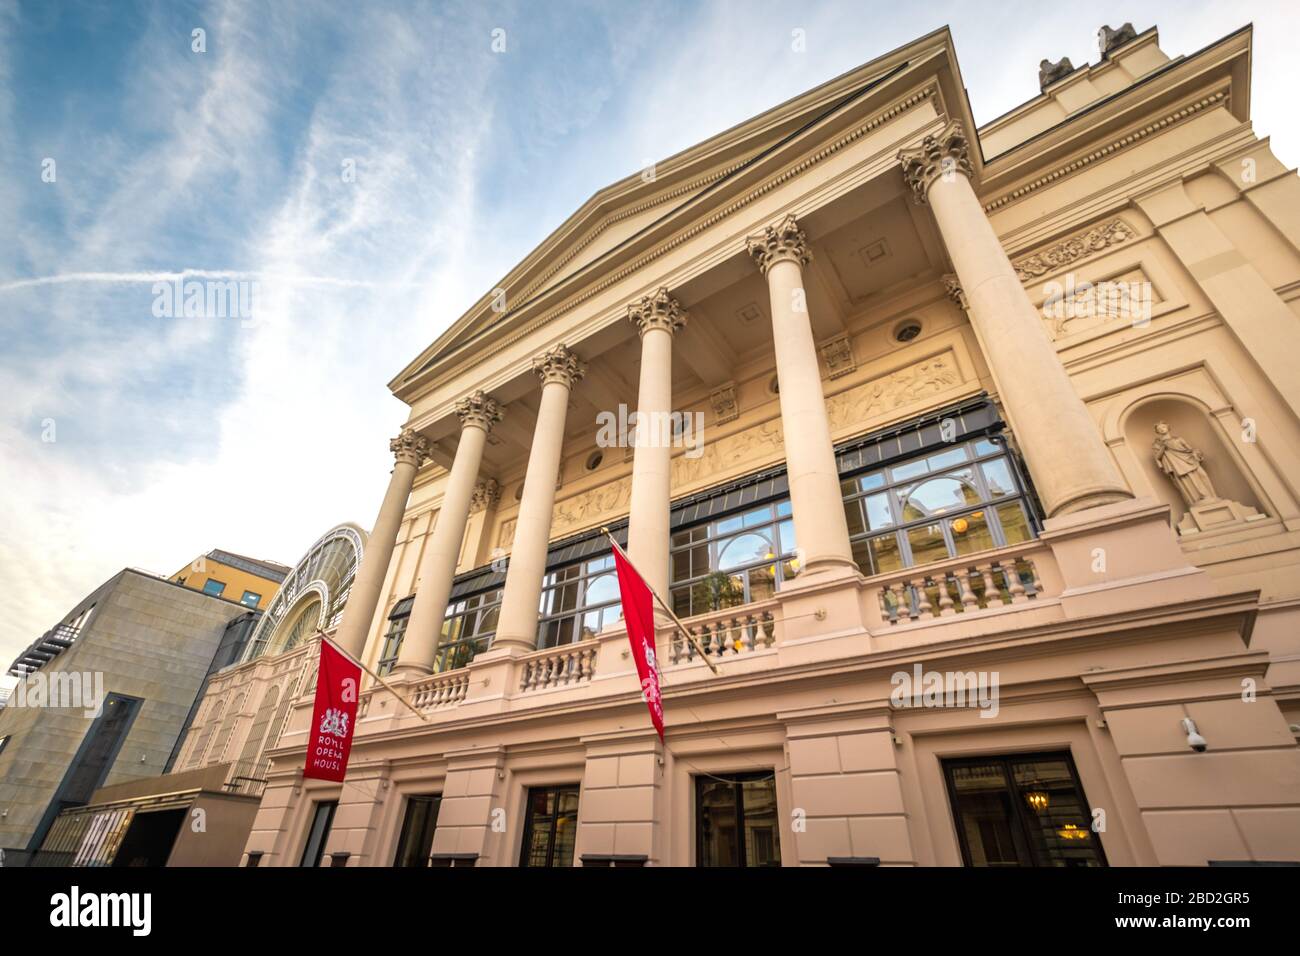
(200, 810)
(250, 581)
(103, 697)
(966, 457)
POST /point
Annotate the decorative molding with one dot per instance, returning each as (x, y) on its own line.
(838, 355)
(953, 290)
(410, 448)
(1076, 247)
(479, 410)
(944, 153)
(658, 311)
(726, 407)
(559, 366)
(725, 457)
(784, 242)
(486, 494)
(1122, 143)
(921, 380)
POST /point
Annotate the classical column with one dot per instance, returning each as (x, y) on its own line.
(477, 413)
(410, 450)
(820, 529)
(558, 369)
(656, 318)
(1071, 467)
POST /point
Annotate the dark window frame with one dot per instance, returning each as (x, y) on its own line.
(217, 593)
(738, 780)
(476, 614)
(328, 807)
(430, 823)
(692, 594)
(257, 598)
(1021, 811)
(557, 790)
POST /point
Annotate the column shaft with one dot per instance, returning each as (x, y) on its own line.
(517, 624)
(657, 318)
(363, 599)
(820, 527)
(1071, 467)
(438, 563)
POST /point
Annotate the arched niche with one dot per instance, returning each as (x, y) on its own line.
(1191, 422)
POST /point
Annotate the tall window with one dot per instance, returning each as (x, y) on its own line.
(392, 647)
(950, 503)
(736, 822)
(578, 601)
(734, 560)
(416, 842)
(550, 827)
(321, 819)
(1022, 810)
(467, 629)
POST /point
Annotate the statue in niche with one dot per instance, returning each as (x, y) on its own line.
(1183, 464)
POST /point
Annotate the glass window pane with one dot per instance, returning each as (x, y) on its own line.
(718, 844)
(985, 447)
(762, 582)
(853, 514)
(743, 549)
(602, 590)
(878, 514)
(728, 525)
(590, 626)
(997, 474)
(862, 555)
(946, 459)
(759, 516)
(681, 565)
(927, 544)
(700, 560)
(872, 481)
(762, 841)
(971, 533)
(885, 554)
(907, 470)
(786, 531)
(1015, 527)
(783, 509)
(986, 816)
(938, 495)
(682, 602)
(1060, 825)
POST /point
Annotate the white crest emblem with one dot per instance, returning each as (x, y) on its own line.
(334, 723)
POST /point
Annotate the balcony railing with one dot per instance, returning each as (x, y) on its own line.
(727, 633)
(960, 586)
(440, 690)
(561, 666)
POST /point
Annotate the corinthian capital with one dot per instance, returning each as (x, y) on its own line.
(559, 365)
(783, 242)
(946, 153)
(658, 311)
(486, 494)
(478, 409)
(409, 448)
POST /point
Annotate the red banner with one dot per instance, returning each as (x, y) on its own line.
(334, 718)
(639, 615)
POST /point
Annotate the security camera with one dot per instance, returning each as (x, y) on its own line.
(1194, 739)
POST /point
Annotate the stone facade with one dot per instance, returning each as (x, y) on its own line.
(1057, 282)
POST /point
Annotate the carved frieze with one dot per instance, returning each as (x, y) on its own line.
(838, 355)
(1073, 249)
(922, 380)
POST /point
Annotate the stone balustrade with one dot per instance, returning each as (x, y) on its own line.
(439, 690)
(561, 666)
(727, 633)
(960, 586)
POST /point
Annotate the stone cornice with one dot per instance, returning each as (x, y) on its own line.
(591, 290)
(1115, 146)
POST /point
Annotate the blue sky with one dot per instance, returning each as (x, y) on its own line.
(173, 436)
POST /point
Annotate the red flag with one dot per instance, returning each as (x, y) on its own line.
(334, 718)
(638, 614)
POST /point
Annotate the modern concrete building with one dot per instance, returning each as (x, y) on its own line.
(968, 456)
(104, 696)
(200, 810)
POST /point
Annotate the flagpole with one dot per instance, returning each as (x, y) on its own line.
(695, 641)
(391, 689)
